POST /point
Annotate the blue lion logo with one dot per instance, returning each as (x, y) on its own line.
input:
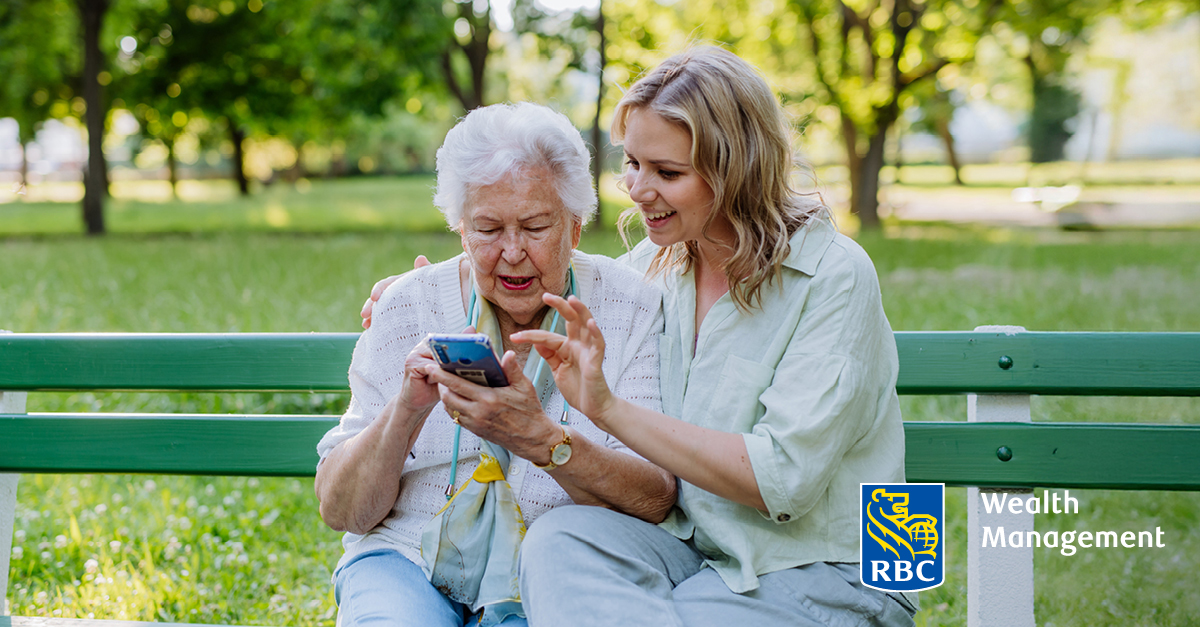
(896, 531)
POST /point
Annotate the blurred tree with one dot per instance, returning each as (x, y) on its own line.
(292, 69)
(598, 142)
(935, 110)
(1047, 33)
(366, 54)
(860, 57)
(466, 51)
(868, 54)
(579, 36)
(39, 58)
(236, 62)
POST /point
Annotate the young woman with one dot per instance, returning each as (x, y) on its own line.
(778, 372)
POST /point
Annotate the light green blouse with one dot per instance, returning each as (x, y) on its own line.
(810, 379)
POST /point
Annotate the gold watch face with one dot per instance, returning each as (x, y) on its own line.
(561, 454)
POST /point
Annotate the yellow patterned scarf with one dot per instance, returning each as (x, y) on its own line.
(470, 547)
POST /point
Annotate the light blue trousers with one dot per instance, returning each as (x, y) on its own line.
(385, 588)
(585, 566)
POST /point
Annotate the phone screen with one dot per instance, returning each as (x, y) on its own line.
(470, 356)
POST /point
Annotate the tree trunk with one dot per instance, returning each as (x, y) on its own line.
(172, 169)
(853, 159)
(24, 168)
(96, 178)
(943, 130)
(597, 133)
(476, 52)
(865, 199)
(297, 171)
(239, 171)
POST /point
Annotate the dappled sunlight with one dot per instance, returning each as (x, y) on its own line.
(277, 216)
(366, 215)
(42, 192)
(143, 191)
(137, 190)
(207, 191)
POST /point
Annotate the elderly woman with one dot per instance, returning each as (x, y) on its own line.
(513, 181)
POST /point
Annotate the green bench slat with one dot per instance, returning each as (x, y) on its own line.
(1046, 454)
(188, 444)
(176, 361)
(1078, 455)
(1117, 364)
(1089, 364)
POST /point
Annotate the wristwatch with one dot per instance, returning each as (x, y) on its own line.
(560, 453)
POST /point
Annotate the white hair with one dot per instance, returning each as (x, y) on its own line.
(503, 140)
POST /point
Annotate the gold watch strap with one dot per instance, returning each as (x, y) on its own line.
(565, 440)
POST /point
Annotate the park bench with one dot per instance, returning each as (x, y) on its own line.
(996, 448)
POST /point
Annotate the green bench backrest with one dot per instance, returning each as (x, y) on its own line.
(1094, 364)
(1045, 454)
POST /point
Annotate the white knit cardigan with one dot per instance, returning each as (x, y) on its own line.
(429, 300)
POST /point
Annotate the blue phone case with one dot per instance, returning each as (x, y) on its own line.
(468, 355)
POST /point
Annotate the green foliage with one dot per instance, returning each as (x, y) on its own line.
(39, 60)
(302, 70)
(1054, 106)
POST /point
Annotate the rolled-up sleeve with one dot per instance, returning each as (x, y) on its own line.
(824, 395)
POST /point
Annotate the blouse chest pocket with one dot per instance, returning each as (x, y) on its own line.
(735, 406)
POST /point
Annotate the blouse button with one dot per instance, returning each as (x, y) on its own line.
(515, 470)
(783, 518)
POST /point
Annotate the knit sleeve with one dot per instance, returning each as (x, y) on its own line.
(402, 317)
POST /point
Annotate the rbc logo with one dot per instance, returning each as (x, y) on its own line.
(902, 531)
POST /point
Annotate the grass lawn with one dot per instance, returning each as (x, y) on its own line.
(254, 551)
(365, 204)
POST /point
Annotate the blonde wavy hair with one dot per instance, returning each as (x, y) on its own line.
(742, 147)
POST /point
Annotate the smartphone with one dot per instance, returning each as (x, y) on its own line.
(468, 355)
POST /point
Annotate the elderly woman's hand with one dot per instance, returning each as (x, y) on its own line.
(418, 393)
(510, 416)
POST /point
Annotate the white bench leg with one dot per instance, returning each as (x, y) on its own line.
(10, 403)
(999, 579)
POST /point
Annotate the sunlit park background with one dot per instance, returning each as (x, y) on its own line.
(255, 165)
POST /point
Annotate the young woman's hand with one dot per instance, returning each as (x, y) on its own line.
(382, 285)
(575, 359)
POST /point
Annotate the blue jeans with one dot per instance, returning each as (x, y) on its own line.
(383, 587)
(587, 566)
